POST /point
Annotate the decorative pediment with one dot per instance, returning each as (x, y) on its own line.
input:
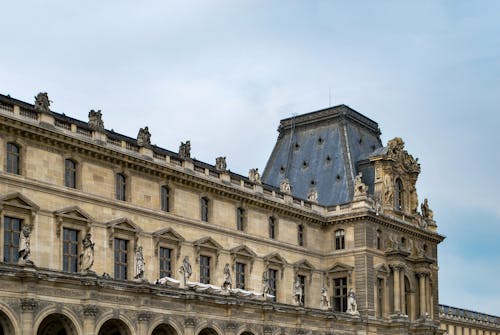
(168, 235)
(208, 244)
(75, 214)
(339, 270)
(276, 260)
(303, 266)
(19, 201)
(242, 251)
(124, 225)
(340, 267)
(396, 151)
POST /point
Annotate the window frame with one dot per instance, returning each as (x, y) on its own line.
(339, 303)
(123, 267)
(9, 155)
(273, 282)
(301, 235)
(13, 257)
(204, 209)
(399, 194)
(121, 186)
(73, 171)
(205, 268)
(340, 239)
(240, 219)
(165, 198)
(165, 260)
(69, 256)
(240, 274)
(272, 227)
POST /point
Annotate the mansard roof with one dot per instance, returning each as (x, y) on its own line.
(321, 150)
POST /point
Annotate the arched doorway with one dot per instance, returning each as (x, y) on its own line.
(208, 331)
(57, 324)
(114, 327)
(6, 327)
(164, 329)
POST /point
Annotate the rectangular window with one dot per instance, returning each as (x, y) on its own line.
(11, 233)
(13, 158)
(69, 173)
(165, 199)
(300, 235)
(302, 280)
(121, 259)
(204, 269)
(380, 297)
(240, 219)
(70, 250)
(273, 285)
(340, 294)
(240, 276)
(339, 239)
(165, 262)
(121, 187)
(272, 227)
(204, 209)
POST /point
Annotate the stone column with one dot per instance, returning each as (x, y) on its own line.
(189, 325)
(89, 315)
(422, 283)
(397, 294)
(428, 294)
(403, 292)
(28, 307)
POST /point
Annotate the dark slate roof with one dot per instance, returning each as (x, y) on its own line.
(321, 149)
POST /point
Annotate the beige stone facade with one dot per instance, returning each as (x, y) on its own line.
(60, 177)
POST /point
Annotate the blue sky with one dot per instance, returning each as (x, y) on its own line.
(223, 73)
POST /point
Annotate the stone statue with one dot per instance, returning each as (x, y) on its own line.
(42, 102)
(220, 164)
(185, 271)
(297, 291)
(352, 306)
(312, 195)
(285, 186)
(427, 213)
(185, 150)
(413, 199)
(266, 287)
(360, 188)
(388, 191)
(139, 263)
(87, 255)
(144, 137)
(228, 283)
(254, 176)
(24, 245)
(325, 301)
(95, 120)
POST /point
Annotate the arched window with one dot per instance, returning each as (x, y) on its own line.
(398, 194)
(13, 158)
(204, 209)
(121, 187)
(300, 235)
(165, 198)
(70, 173)
(339, 239)
(272, 227)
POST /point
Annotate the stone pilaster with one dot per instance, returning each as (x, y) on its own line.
(28, 309)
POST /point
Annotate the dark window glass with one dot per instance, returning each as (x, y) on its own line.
(69, 173)
(121, 259)
(11, 232)
(340, 294)
(204, 209)
(165, 262)
(380, 297)
(13, 158)
(339, 239)
(121, 187)
(165, 199)
(240, 276)
(240, 219)
(379, 240)
(300, 235)
(302, 280)
(273, 285)
(272, 227)
(70, 250)
(398, 194)
(204, 269)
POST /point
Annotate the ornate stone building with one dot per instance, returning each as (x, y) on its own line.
(106, 234)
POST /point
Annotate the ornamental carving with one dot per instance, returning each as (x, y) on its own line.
(144, 317)
(144, 137)
(185, 150)
(396, 151)
(42, 102)
(90, 310)
(220, 164)
(190, 322)
(28, 304)
(95, 120)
